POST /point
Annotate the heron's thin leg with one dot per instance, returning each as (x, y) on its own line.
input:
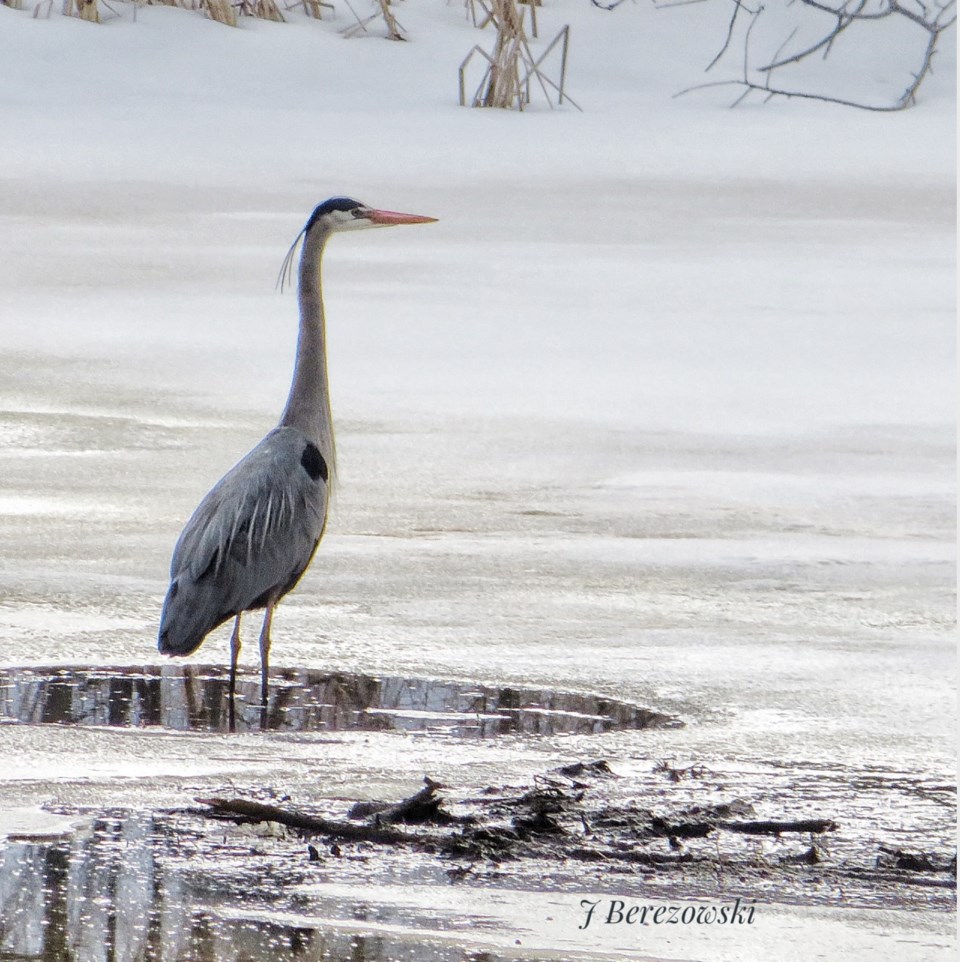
(265, 660)
(234, 655)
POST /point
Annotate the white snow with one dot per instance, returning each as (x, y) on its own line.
(662, 406)
(34, 823)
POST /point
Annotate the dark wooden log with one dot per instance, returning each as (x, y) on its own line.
(422, 806)
(245, 809)
(814, 825)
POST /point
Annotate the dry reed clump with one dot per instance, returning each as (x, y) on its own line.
(512, 67)
(222, 11)
(84, 9)
(383, 10)
(262, 10)
(227, 12)
(312, 8)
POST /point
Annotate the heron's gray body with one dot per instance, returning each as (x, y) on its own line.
(254, 534)
(250, 539)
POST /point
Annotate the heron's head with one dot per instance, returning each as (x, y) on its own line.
(343, 213)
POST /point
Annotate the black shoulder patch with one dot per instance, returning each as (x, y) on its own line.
(313, 463)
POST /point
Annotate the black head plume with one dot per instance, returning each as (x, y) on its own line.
(328, 206)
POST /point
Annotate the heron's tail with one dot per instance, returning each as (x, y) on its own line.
(186, 619)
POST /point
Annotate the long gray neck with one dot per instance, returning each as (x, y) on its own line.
(308, 406)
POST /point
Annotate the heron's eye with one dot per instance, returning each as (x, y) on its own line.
(358, 212)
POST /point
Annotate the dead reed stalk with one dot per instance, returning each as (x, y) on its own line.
(394, 29)
(512, 66)
(220, 10)
(262, 10)
(84, 9)
(312, 8)
(503, 81)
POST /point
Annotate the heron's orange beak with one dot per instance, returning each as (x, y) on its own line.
(391, 217)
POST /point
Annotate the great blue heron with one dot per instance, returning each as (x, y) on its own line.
(254, 534)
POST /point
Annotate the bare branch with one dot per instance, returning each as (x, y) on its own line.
(782, 46)
(737, 7)
(825, 43)
(909, 96)
(746, 42)
(791, 94)
(848, 14)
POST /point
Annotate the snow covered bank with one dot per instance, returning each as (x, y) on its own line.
(662, 406)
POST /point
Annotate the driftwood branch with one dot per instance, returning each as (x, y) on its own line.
(422, 806)
(583, 814)
(703, 827)
(815, 826)
(914, 861)
(247, 810)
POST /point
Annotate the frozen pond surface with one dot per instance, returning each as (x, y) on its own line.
(647, 424)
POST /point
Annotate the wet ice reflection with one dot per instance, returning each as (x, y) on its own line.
(116, 894)
(195, 697)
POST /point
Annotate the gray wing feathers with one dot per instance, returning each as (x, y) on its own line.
(253, 534)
